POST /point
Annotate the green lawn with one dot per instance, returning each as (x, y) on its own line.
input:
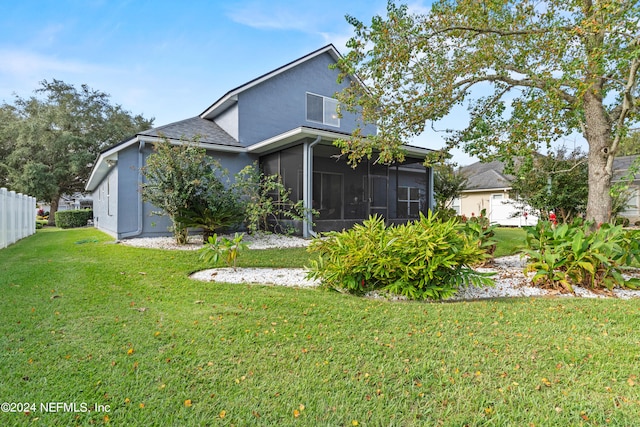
(87, 321)
(510, 240)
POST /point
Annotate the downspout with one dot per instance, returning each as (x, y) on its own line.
(430, 196)
(138, 230)
(307, 190)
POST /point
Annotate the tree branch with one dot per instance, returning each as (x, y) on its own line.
(466, 84)
(500, 33)
(627, 104)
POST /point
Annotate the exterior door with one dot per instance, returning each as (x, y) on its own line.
(378, 190)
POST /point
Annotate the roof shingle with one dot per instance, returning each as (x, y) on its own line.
(207, 130)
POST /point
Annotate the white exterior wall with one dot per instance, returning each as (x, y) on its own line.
(500, 208)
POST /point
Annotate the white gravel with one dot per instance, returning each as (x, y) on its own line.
(510, 279)
(259, 241)
(295, 277)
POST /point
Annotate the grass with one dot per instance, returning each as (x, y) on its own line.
(87, 321)
(510, 241)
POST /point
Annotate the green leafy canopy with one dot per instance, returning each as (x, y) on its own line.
(49, 141)
(528, 72)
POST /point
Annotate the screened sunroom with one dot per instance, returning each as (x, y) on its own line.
(315, 172)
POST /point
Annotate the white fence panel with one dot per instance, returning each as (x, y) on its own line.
(17, 217)
(506, 213)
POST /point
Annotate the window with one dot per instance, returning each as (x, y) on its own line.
(455, 205)
(109, 196)
(321, 109)
(408, 202)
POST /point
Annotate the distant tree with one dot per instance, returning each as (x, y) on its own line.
(630, 145)
(448, 184)
(529, 72)
(556, 182)
(186, 184)
(8, 117)
(49, 141)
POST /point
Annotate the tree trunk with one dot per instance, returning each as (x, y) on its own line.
(598, 135)
(53, 210)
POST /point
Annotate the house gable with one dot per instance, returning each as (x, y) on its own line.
(276, 102)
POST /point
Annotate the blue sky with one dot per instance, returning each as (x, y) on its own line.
(167, 59)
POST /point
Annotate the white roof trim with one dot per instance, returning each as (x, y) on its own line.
(488, 190)
(298, 133)
(101, 167)
(206, 145)
(292, 136)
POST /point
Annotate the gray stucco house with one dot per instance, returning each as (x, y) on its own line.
(286, 120)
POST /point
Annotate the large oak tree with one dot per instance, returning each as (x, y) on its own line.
(530, 72)
(49, 141)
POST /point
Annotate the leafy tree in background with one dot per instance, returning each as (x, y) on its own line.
(447, 185)
(185, 183)
(48, 142)
(630, 145)
(543, 71)
(556, 182)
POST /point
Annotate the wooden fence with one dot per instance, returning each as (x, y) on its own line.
(17, 217)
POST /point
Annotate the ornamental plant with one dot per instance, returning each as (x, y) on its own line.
(228, 250)
(179, 178)
(576, 254)
(480, 230)
(266, 201)
(424, 259)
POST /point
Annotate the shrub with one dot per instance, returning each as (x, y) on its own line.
(266, 201)
(623, 221)
(217, 211)
(73, 218)
(480, 230)
(427, 258)
(575, 254)
(180, 178)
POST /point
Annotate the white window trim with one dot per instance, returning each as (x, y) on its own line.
(408, 201)
(324, 106)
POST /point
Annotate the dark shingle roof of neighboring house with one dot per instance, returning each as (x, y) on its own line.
(207, 131)
(488, 175)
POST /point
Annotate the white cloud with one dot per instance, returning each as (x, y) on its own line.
(418, 8)
(270, 16)
(23, 63)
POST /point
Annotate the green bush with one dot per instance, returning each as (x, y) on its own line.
(575, 254)
(225, 249)
(427, 258)
(73, 219)
(481, 231)
(266, 201)
(623, 221)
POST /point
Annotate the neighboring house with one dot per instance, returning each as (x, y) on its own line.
(287, 121)
(489, 189)
(621, 167)
(69, 202)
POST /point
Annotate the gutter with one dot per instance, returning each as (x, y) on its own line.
(138, 230)
(307, 225)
